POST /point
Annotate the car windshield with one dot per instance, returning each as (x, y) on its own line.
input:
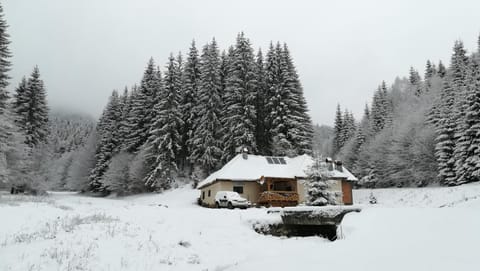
(233, 195)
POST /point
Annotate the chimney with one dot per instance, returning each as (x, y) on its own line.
(243, 150)
(338, 165)
(329, 163)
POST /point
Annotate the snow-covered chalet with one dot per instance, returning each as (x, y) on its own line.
(273, 181)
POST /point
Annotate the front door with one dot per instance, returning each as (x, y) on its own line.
(347, 192)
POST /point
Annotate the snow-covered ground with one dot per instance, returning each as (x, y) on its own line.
(409, 229)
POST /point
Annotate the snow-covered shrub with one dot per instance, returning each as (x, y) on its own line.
(116, 178)
(137, 173)
(82, 164)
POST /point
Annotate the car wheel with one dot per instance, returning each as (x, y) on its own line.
(230, 205)
(217, 205)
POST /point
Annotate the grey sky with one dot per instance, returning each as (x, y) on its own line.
(342, 49)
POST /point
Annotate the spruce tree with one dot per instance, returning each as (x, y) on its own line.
(360, 138)
(300, 119)
(208, 136)
(387, 106)
(31, 109)
(142, 114)
(349, 126)
(163, 145)
(283, 130)
(379, 109)
(261, 91)
(188, 106)
(338, 129)
(273, 83)
(467, 148)
(4, 62)
(239, 99)
(287, 124)
(123, 127)
(445, 143)
(415, 81)
(366, 112)
(442, 71)
(226, 59)
(430, 72)
(21, 103)
(107, 132)
(319, 192)
(459, 71)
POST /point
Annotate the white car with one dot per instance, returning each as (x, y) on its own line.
(230, 200)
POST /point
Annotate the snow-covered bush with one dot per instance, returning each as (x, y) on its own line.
(137, 173)
(116, 178)
(82, 164)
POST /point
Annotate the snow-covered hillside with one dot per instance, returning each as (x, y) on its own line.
(405, 231)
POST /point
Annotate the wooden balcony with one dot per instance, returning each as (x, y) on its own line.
(278, 198)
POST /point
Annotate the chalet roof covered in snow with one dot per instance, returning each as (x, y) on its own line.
(248, 167)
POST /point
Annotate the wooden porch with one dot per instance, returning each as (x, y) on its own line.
(277, 192)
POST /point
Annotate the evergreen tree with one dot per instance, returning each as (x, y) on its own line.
(123, 127)
(240, 97)
(415, 81)
(163, 146)
(207, 136)
(301, 124)
(273, 83)
(379, 111)
(318, 190)
(387, 105)
(430, 72)
(142, 114)
(31, 109)
(189, 105)
(107, 143)
(445, 143)
(366, 113)
(283, 130)
(442, 71)
(349, 126)
(288, 127)
(226, 68)
(466, 154)
(338, 139)
(261, 91)
(4, 62)
(360, 139)
(21, 103)
(459, 71)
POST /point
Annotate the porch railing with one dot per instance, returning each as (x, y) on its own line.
(278, 198)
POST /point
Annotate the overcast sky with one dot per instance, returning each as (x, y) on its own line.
(342, 49)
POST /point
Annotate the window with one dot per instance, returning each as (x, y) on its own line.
(275, 160)
(203, 194)
(209, 193)
(269, 160)
(238, 189)
(282, 160)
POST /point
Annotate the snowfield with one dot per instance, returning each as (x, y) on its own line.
(409, 229)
